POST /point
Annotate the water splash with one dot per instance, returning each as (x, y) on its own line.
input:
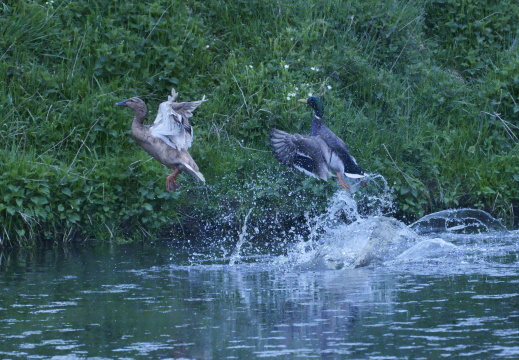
(375, 199)
(355, 230)
(458, 221)
(337, 236)
(382, 240)
(235, 256)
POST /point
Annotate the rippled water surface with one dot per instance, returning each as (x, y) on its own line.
(139, 303)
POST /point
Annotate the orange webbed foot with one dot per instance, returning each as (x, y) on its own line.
(171, 181)
(341, 183)
(171, 185)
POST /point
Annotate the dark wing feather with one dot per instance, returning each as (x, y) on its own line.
(283, 146)
(305, 153)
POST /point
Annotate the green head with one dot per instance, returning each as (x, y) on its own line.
(316, 104)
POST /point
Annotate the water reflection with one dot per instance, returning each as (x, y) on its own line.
(133, 302)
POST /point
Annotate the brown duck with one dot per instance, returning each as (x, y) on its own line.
(174, 157)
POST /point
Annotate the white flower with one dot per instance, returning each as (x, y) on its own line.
(309, 94)
(297, 88)
(250, 66)
(288, 97)
(329, 87)
(312, 68)
(286, 66)
(316, 69)
(207, 46)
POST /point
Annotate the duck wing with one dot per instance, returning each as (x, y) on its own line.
(185, 109)
(305, 153)
(172, 122)
(169, 128)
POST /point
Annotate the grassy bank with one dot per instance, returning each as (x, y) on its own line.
(425, 93)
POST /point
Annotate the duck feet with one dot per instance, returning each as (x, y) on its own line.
(341, 183)
(171, 185)
(171, 181)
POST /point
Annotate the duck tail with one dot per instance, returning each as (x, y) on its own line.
(193, 172)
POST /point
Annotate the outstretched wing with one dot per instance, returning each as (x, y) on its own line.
(305, 153)
(172, 124)
(185, 109)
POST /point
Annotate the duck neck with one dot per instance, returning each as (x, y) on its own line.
(318, 111)
(317, 124)
(138, 121)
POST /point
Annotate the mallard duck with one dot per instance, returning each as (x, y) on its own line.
(320, 153)
(168, 139)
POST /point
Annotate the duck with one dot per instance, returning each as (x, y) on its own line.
(318, 155)
(169, 137)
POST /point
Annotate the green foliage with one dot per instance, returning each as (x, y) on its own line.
(424, 93)
(470, 35)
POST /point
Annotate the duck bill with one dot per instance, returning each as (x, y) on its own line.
(122, 103)
(304, 101)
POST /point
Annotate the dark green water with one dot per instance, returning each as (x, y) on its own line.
(135, 303)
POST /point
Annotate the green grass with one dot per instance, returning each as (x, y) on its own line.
(425, 93)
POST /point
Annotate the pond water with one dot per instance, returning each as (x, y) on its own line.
(159, 302)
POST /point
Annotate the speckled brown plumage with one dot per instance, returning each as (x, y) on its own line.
(174, 159)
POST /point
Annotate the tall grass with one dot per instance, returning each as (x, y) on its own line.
(425, 93)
